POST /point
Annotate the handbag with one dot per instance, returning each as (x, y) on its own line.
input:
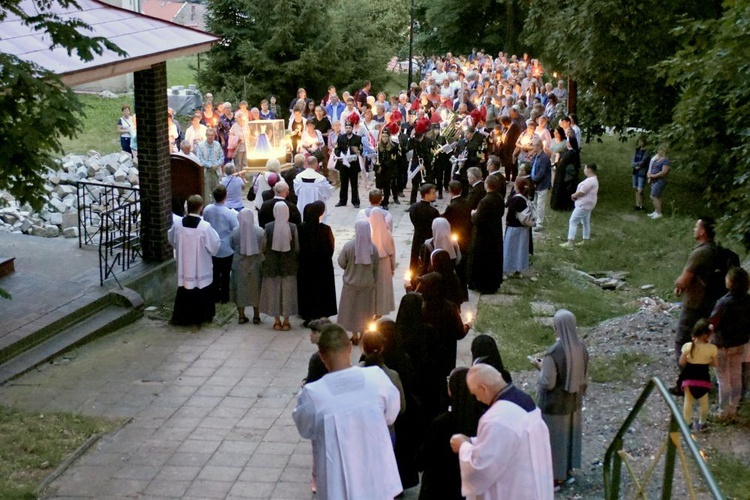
(527, 217)
(234, 142)
(251, 193)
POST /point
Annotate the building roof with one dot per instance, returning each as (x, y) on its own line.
(146, 40)
(161, 9)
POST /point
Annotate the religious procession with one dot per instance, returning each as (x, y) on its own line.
(493, 138)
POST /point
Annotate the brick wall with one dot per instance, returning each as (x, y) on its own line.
(153, 162)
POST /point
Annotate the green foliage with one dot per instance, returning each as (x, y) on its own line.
(458, 27)
(36, 109)
(609, 48)
(709, 133)
(276, 47)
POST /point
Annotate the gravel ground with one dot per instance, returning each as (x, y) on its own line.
(645, 339)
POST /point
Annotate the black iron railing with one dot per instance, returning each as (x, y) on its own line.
(109, 216)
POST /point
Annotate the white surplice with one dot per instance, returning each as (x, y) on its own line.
(346, 414)
(194, 248)
(510, 459)
(307, 192)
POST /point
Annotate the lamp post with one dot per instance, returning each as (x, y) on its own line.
(411, 45)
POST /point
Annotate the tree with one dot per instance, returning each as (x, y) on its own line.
(276, 47)
(36, 109)
(458, 27)
(709, 133)
(610, 48)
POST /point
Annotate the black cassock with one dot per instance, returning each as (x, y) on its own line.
(486, 255)
(421, 214)
(316, 288)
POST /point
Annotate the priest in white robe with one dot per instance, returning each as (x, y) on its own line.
(195, 242)
(510, 458)
(346, 414)
(310, 185)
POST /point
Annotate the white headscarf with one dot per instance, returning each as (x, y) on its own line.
(362, 243)
(381, 237)
(441, 236)
(282, 233)
(575, 350)
(248, 239)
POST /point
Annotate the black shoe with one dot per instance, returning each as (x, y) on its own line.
(339, 204)
(356, 205)
(440, 196)
(384, 207)
(396, 202)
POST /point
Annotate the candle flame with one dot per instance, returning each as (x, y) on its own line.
(407, 276)
(468, 317)
(454, 237)
(372, 326)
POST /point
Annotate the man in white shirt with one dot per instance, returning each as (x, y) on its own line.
(511, 456)
(376, 198)
(196, 132)
(195, 242)
(349, 110)
(224, 220)
(337, 412)
(310, 185)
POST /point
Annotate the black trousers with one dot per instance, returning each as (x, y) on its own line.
(348, 177)
(222, 269)
(385, 182)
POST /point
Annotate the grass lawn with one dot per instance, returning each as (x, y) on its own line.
(652, 252)
(32, 445)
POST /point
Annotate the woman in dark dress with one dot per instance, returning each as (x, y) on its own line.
(407, 424)
(315, 281)
(566, 176)
(418, 341)
(441, 478)
(484, 350)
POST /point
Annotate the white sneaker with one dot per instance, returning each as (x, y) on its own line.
(651, 214)
(657, 216)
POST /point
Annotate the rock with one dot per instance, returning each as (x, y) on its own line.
(58, 205)
(25, 225)
(547, 321)
(648, 287)
(94, 167)
(120, 175)
(69, 219)
(542, 309)
(54, 179)
(70, 232)
(70, 201)
(124, 158)
(100, 176)
(56, 219)
(37, 230)
(111, 165)
(133, 179)
(82, 172)
(499, 299)
(64, 190)
(106, 94)
(51, 231)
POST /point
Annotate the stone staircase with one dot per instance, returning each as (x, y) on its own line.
(80, 321)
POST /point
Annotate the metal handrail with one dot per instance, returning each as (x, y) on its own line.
(613, 459)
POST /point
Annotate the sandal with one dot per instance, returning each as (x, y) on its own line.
(243, 320)
(256, 320)
(286, 326)
(277, 325)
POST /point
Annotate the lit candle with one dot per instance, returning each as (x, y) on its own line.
(407, 276)
(468, 317)
(371, 326)
(454, 237)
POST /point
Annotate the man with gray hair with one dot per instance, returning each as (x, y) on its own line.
(226, 120)
(335, 412)
(510, 457)
(281, 192)
(541, 174)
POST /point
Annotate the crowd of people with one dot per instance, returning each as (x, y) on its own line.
(487, 133)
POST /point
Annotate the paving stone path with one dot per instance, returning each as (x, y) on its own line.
(210, 409)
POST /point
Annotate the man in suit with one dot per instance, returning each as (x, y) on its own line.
(493, 167)
(349, 143)
(458, 213)
(541, 174)
(477, 191)
(281, 191)
(334, 108)
(422, 213)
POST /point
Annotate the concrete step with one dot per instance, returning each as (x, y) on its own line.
(7, 266)
(102, 321)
